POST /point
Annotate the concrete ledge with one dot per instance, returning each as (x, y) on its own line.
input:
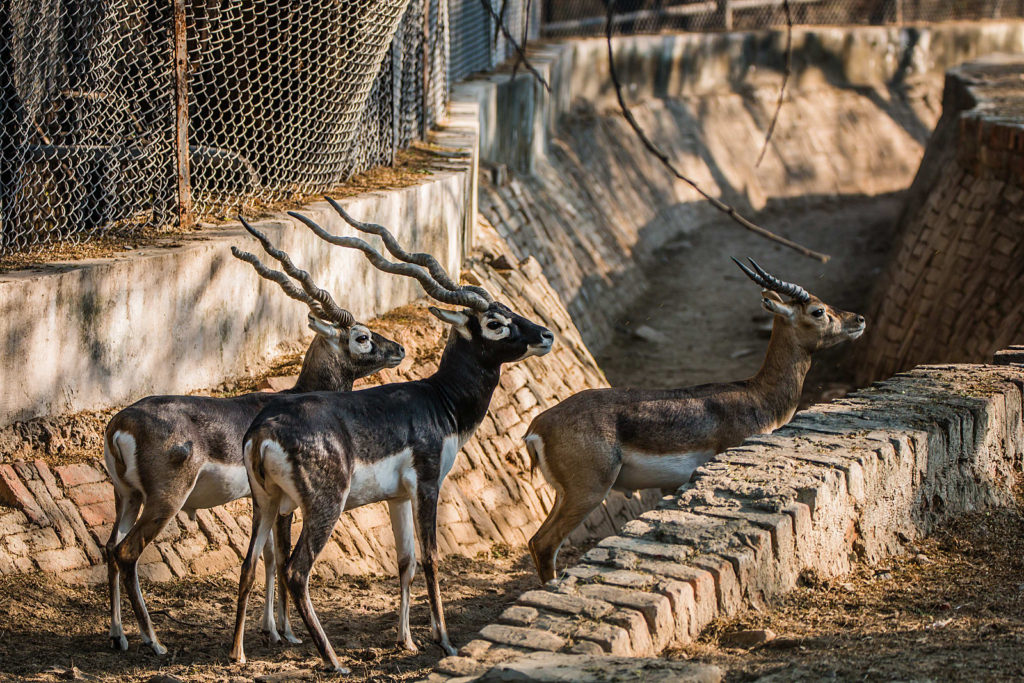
(518, 117)
(95, 334)
(856, 478)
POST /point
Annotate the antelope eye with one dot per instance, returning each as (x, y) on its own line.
(362, 339)
(494, 325)
(818, 312)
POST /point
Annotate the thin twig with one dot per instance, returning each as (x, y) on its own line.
(667, 163)
(785, 79)
(501, 19)
(519, 50)
(526, 38)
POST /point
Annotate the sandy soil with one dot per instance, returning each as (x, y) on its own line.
(48, 631)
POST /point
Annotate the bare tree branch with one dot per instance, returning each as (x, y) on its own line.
(515, 44)
(526, 38)
(667, 162)
(785, 79)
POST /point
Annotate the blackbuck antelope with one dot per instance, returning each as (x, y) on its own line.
(171, 453)
(632, 439)
(328, 452)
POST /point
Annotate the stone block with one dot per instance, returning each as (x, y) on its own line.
(14, 493)
(518, 615)
(566, 604)
(98, 514)
(655, 608)
(528, 638)
(61, 559)
(216, 561)
(93, 492)
(78, 474)
(640, 642)
(609, 637)
(549, 667)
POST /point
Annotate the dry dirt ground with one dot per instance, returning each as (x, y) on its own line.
(950, 609)
(52, 632)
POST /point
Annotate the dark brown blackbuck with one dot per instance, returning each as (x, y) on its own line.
(170, 453)
(328, 452)
(633, 439)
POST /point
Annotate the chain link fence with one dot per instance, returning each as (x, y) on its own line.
(125, 115)
(588, 17)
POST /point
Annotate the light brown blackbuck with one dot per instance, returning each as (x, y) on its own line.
(633, 439)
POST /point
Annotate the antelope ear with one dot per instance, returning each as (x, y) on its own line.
(456, 319)
(323, 328)
(773, 303)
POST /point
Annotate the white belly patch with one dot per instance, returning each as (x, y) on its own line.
(649, 471)
(217, 484)
(390, 477)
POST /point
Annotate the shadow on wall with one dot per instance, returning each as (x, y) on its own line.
(951, 289)
(599, 205)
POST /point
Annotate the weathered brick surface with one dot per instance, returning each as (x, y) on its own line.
(857, 477)
(964, 217)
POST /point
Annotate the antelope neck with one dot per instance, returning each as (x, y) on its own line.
(780, 380)
(464, 382)
(320, 376)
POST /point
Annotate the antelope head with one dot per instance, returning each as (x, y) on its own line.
(497, 333)
(815, 325)
(340, 340)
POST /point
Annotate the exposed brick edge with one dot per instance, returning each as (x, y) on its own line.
(856, 478)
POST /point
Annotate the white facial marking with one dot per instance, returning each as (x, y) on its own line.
(360, 341)
(390, 477)
(495, 320)
(650, 471)
(217, 484)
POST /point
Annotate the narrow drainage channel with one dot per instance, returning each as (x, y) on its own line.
(701, 319)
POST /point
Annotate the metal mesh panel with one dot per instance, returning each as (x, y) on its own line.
(281, 90)
(587, 17)
(284, 98)
(87, 116)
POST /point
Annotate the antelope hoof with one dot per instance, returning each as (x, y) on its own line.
(272, 633)
(293, 639)
(157, 648)
(448, 649)
(408, 645)
(119, 643)
(339, 670)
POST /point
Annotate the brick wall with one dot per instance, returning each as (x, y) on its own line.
(55, 518)
(952, 288)
(855, 478)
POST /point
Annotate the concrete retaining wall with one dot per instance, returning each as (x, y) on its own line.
(952, 288)
(103, 333)
(589, 202)
(856, 478)
(62, 514)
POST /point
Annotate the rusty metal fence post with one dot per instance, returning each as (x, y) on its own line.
(181, 152)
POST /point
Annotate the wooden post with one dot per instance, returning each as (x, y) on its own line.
(11, 120)
(425, 123)
(185, 217)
